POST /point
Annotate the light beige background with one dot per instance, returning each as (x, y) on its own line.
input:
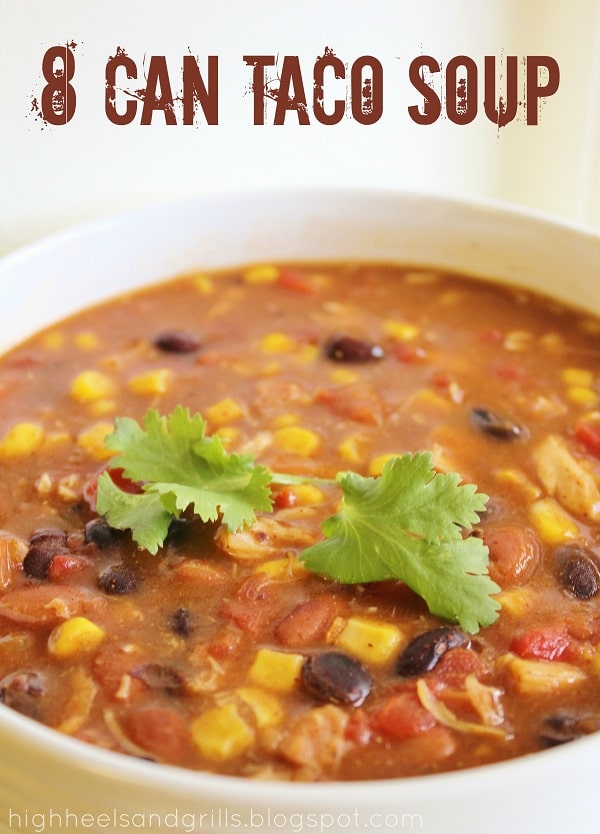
(55, 177)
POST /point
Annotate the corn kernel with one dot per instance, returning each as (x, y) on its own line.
(281, 568)
(517, 340)
(221, 733)
(151, 382)
(351, 449)
(376, 464)
(279, 671)
(55, 439)
(516, 602)
(369, 640)
(277, 343)
(344, 376)
(577, 376)
(75, 636)
(541, 676)
(307, 494)
(263, 274)
(519, 479)
(270, 369)
(225, 411)
(22, 439)
(308, 353)
(87, 340)
(297, 440)
(54, 340)
(595, 661)
(90, 386)
(204, 284)
(91, 440)
(552, 341)
(580, 395)
(283, 420)
(267, 709)
(401, 331)
(228, 434)
(552, 523)
(101, 408)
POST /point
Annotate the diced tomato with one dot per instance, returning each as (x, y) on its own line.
(358, 728)
(442, 379)
(293, 279)
(508, 370)
(491, 335)
(547, 643)
(90, 489)
(360, 402)
(226, 643)
(589, 435)
(405, 352)
(110, 666)
(248, 614)
(63, 565)
(402, 717)
(284, 498)
(454, 666)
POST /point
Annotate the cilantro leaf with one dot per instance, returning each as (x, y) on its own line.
(407, 525)
(179, 467)
(144, 513)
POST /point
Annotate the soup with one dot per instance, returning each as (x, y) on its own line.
(349, 625)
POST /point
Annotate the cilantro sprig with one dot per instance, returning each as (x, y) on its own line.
(407, 525)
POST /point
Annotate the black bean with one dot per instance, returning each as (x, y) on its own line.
(349, 349)
(336, 677)
(579, 570)
(562, 727)
(117, 580)
(181, 622)
(36, 563)
(159, 676)
(176, 341)
(496, 425)
(99, 532)
(422, 654)
(22, 691)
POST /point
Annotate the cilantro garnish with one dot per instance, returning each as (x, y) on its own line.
(406, 525)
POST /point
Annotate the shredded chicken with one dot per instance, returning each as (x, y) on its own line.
(566, 479)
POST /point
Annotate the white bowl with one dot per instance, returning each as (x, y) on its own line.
(49, 781)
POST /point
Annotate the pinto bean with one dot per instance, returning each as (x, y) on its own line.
(514, 553)
(307, 622)
(423, 653)
(46, 604)
(158, 730)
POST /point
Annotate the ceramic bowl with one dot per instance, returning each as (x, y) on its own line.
(51, 782)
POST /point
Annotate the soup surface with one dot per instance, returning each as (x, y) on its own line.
(226, 651)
